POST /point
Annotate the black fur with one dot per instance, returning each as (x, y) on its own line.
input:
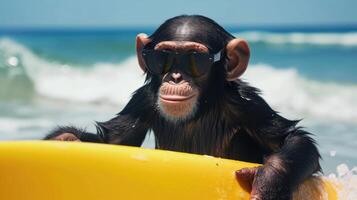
(232, 120)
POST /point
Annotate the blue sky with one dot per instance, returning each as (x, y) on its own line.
(112, 13)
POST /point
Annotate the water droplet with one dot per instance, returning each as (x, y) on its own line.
(333, 153)
(13, 61)
(342, 170)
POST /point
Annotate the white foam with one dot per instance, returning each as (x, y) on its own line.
(284, 89)
(344, 39)
(12, 125)
(103, 83)
(346, 181)
(291, 94)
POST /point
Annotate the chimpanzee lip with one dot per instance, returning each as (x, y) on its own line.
(175, 98)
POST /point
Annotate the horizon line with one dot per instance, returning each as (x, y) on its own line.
(272, 27)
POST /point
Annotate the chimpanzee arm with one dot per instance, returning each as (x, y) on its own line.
(287, 166)
(129, 127)
(292, 154)
(298, 157)
(124, 130)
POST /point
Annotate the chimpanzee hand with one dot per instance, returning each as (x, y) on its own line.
(66, 137)
(265, 183)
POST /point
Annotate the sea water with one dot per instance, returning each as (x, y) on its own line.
(77, 77)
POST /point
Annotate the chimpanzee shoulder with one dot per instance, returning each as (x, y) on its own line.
(256, 114)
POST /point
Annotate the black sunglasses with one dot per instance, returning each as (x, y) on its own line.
(193, 63)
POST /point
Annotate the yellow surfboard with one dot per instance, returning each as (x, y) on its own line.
(51, 170)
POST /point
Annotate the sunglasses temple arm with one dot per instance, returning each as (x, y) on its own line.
(217, 56)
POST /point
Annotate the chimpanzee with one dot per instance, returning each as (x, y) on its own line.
(194, 102)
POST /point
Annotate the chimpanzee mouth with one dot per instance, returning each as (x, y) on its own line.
(175, 98)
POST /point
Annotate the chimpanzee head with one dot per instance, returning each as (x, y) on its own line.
(186, 58)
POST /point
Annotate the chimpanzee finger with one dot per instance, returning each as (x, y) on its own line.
(66, 137)
(246, 177)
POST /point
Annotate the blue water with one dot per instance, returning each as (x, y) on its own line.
(50, 77)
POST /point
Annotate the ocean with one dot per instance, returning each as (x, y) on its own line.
(77, 77)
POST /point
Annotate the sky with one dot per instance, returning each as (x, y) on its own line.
(114, 13)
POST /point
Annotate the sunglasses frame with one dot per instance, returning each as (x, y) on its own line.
(213, 58)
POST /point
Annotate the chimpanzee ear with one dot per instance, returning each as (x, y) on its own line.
(141, 40)
(238, 57)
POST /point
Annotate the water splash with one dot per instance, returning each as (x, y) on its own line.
(346, 181)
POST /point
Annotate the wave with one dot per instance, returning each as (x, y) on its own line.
(102, 82)
(341, 39)
(285, 89)
(290, 93)
(9, 125)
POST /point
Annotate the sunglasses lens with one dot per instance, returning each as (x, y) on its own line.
(194, 64)
(154, 61)
(199, 63)
(167, 61)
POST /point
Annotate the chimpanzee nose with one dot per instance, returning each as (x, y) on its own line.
(177, 77)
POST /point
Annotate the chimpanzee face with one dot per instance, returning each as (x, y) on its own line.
(175, 56)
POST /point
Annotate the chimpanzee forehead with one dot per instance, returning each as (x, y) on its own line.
(206, 34)
(184, 33)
